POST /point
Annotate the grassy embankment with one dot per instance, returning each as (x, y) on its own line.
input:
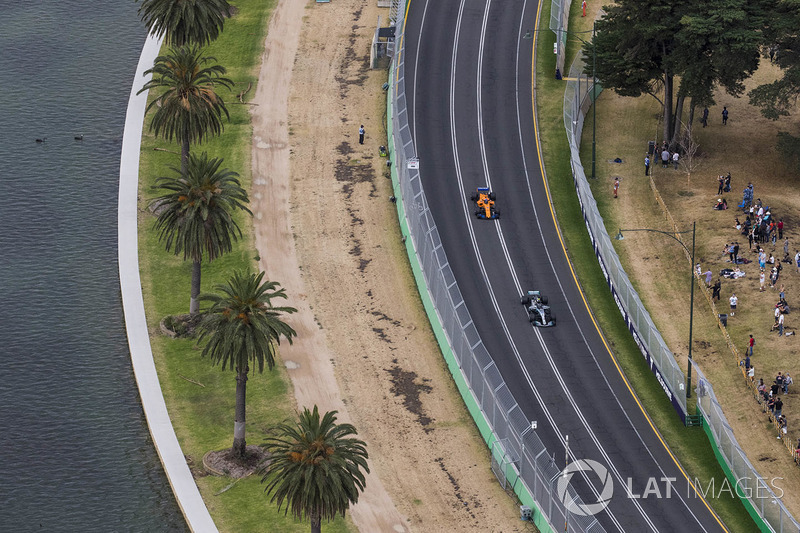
(689, 445)
(745, 148)
(203, 414)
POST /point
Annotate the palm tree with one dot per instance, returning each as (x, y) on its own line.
(243, 327)
(196, 214)
(315, 467)
(189, 109)
(185, 21)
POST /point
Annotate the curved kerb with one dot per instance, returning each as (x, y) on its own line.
(166, 443)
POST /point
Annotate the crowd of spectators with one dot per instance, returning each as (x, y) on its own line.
(762, 230)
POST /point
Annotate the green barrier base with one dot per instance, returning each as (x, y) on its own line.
(466, 394)
(759, 521)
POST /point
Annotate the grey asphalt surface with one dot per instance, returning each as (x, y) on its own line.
(473, 124)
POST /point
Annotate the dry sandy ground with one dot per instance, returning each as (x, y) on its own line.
(326, 232)
(658, 268)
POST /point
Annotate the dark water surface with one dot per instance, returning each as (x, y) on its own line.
(75, 453)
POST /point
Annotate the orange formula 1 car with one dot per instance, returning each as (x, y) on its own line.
(484, 204)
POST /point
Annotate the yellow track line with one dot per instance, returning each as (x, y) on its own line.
(583, 297)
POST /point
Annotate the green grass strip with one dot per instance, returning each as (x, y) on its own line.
(202, 410)
(734, 483)
(689, 445)
(438, 330)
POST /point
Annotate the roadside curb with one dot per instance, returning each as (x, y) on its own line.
(164, 439)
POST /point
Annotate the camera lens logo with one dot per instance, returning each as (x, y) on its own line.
(583, 509)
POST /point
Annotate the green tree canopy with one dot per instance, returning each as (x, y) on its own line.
(188, 108)
(646, 47)
(242, 327)
(185, 22)
(196, 213)
(777, 98)
(315, 467)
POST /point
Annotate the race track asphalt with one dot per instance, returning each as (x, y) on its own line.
(468, 81)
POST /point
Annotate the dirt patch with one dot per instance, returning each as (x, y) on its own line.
(223, 463)
(405, 386)
(183, 326)
(326, 231)
(746, 149)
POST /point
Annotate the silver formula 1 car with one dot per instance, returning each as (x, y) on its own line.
(539, 312)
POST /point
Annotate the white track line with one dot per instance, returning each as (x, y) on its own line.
(512, 270)
(476, 248)
(493, 298)
(563, 293)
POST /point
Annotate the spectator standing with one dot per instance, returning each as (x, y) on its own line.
(646, 165)
(750, 345)
(780, 228)
(747, 362)
(727, 183)
(787, 380)
(724, 115)
(761, 280)
(736, 253)
(664, 158)
(752, 373)
(779, 381)
(783, 292)
(785, 246)
(715, 290)
(708, 274)
(616, 187)
(778, 407)
(675, 158)
(704, 120)
(721, 181)
(780, 326)
(734, 301)
(797, 260)
(361, 132)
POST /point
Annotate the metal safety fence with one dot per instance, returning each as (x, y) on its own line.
(744, 478)
(559, 20)
(519, 458)
(578, 97)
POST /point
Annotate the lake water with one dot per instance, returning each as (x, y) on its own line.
(76, 453)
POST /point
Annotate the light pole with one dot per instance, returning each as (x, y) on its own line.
(594, 101)
(672, 236)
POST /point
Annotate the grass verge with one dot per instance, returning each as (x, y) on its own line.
(690, 445)
(200, 397)
(659, 269)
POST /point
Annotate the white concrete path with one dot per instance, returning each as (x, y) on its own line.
(166, 443)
